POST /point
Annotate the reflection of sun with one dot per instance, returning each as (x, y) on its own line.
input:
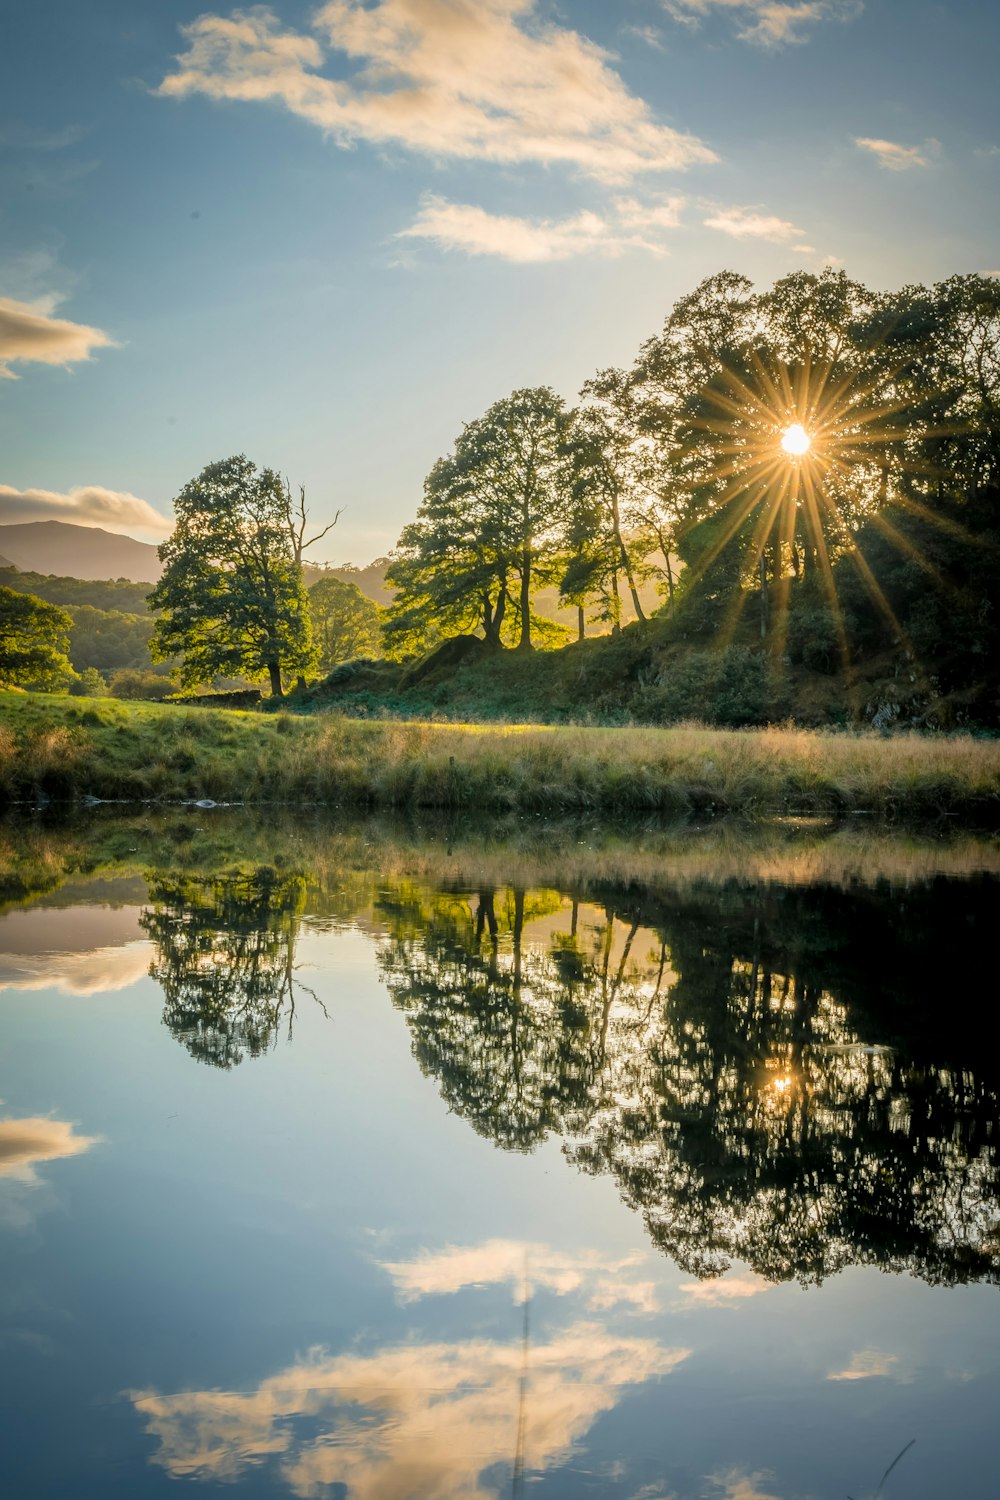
(795, 440)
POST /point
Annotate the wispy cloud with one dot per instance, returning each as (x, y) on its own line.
(893, 156)
(475, 231)
(428, 1419)
(769, 23)
(660, 213)
(29, 333)
(722, 1291)
(471, 79)
(87, 505)
(752, 224)
(866, 1364)
(604, 1281)
(738, 1484)
(18, 137)
(91, 973)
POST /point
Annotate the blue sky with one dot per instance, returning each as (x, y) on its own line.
(327, 235)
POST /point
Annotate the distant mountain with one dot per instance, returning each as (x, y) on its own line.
(78, 551)
(5, 562)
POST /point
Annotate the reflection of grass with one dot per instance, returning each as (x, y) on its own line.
(347, 859)
(66, 747)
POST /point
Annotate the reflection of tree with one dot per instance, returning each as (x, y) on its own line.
(766, 1072)
(226, 958)
(491, 1017)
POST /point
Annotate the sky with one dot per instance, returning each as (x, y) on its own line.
(326, 236)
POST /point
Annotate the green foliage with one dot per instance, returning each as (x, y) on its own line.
(108, 639)
(136, 683)
(345, 624)
(731, 686)
(89, 684)
(488, 523)
(34, 641)
(119, 595)
(232, 594)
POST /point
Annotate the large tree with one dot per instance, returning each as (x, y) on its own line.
(489, 518)
(34, 641)
(232, 597)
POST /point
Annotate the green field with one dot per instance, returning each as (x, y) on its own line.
(66, 749)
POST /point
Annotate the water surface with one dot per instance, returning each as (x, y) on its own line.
(376, 1163)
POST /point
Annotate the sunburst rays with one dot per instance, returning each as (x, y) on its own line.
(806, 454)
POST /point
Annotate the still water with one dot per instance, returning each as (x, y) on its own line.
(407, 1165)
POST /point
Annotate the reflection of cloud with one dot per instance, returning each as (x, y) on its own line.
(891, 155)
(723, 1291)
(748, 223)
(27, 1142)
(474, 79)
(91, 973)
(85, 505)
(443, 1272)
(28, 331)
(865, 1364)
(735, 1484)
(410, 1421)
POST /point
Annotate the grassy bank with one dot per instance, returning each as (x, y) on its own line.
(66, 749)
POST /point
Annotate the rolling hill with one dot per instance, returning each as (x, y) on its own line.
(78, 551)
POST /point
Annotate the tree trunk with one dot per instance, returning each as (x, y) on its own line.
(626, 563)
(581, 624)
(274, 672)
(670, 579)
(765, 602)
(524, 644)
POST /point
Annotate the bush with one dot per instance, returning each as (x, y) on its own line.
(729, 687)
(89, 684)
(134, 682)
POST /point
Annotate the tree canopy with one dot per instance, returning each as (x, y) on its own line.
(231, 597)
(34, 642)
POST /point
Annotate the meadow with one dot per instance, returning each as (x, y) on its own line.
(66, 750)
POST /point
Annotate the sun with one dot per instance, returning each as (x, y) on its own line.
(795, 440)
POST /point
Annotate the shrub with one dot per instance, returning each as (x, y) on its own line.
(134, 682)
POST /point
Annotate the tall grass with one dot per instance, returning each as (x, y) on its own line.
(65, 749)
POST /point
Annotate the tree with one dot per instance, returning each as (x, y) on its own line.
(345, 623)
(34, 642)
(232, 597)
(489, 517)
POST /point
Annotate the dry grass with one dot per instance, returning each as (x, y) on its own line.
(65, 749)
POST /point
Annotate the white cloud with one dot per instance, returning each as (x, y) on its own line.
(470, 79)
(408, 1420)
(90, 973)
(894, 157)
(602, 1279)
(866, 1364)
(29, 332)
(723, 1291)
(750, 223)
(804, 249)
(662, 213)
(770, 23)
(466, 227)
(87, 505)
(26, 1142)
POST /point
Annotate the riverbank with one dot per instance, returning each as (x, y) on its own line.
(65, 750)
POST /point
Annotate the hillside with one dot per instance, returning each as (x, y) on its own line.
(84, 552)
